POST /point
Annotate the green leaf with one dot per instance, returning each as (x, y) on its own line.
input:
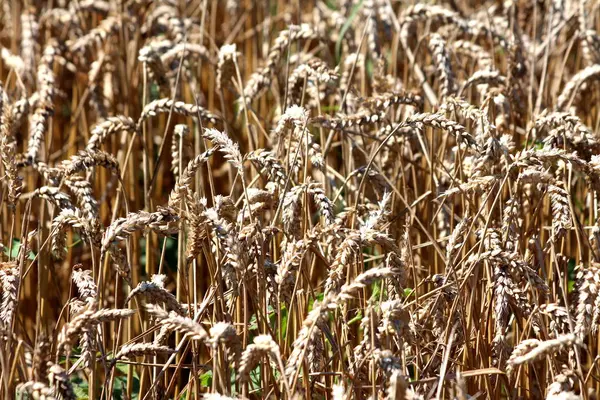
(206, 379)
(345, 27)
(13, 252)
(356, 319)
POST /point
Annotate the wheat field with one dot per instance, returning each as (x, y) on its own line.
(330, 199)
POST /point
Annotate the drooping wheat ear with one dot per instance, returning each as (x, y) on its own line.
(29, 41)
(307, 334)
(267, 161)
(263, 345)
(351, 247)
(8, 150)
(293, 254)
(154, 292)
(438, 15)
(474, 51)
(60, 382)
(348, 291)
(164, 221)
(576, 85)
(338, 392)
(561, 213)
(87, 159)
(438, 121)
(363, 117)
(85, 323)
(141, 349)
(590, 44)
(292, 211)
(503, 288)
(226, 146)
(260, 80)
(443, 66)
(44, 110)
(562, 387)
(570, 127)
(179, 107)
(383, 102)
(217, 396)
(189, 51)
(67, 217)
(82, 189)
(37, 390)
(96, 36)
(54, 196)
(324, 203)
(150, 58)
(41, 357)
(180, 134)
(588, 307)
(380, 215)
(224, 333)
(10, 279)
(174, 321)
(183, 188)
(396, 388)
(313, 72)
(108, 127)
(197, 231)
(12, 61)
(484, 77)
(531, 350)
(225, 65)
(457, 240)
(85, 283)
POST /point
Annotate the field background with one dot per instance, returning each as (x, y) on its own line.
(317, 199)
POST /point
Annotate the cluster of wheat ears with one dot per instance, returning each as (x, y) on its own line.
(322, 199)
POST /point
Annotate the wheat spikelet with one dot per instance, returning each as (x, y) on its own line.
(263, 345)
(343, 122)
(325, 205)
(266, 160)
(588, 283)
(223, 332)
(85, 283)
(532, 349)
(576, 84)
(59, 379)
(384, 101)
(10, 279)
(474, 51)
(226, 65)
(259, 81)
(182, 187)
(154, 291)
(174, 321)
(8, 149)
(438, 121)
(226, 146)
(88, 159)
(67, 217)
(441, 59)
(561, 213)
(180, 133)
(96, 36)
(82, 189)
(141, 349)
(156, 70)
(179, 107)
(110, 126)
(164, 221)
(37, 390)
